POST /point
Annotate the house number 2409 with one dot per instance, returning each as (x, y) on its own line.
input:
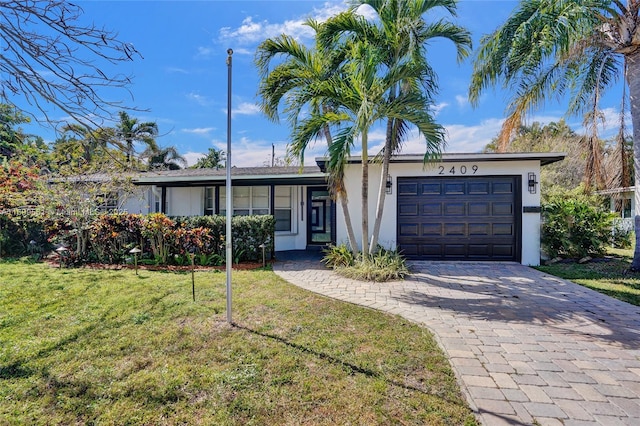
(462, 170)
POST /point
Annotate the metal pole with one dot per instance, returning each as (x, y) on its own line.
(229, 206)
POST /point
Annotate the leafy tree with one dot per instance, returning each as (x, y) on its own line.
(50, 58)
(574, 47)
(553, 137)
(214, 159)
(11, 138)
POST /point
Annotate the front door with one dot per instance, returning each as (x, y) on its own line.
(320, 217)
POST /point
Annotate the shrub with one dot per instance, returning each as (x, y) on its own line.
(249, 232)
(159, 230)
(383, 265)
(337, 256)
(114, 234)
(575, 227)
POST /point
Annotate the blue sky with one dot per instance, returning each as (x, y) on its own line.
(182, 78)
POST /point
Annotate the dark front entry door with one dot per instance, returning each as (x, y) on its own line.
(320, 217)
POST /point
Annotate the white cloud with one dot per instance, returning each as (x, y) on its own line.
(439, 107)
(460, 137)
(192, 157)
(462, 101)
(199, 99)
(176, 70)
(200, 130)
(245, 108)
(252, 32)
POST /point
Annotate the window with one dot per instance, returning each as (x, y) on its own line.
(247, 200)
(626, 207)
(209, 201)
(283, 208)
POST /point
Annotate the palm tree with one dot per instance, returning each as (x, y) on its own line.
(214, 159)
(401, 34)
(288, 82)
(130, 131)
(164, 158)
(575, 47)
(358, 97)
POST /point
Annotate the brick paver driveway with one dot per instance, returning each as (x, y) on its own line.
(526, 347)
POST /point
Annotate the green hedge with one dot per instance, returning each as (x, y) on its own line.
(165, 240)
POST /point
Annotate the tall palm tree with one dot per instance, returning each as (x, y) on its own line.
(401, 34)
(288, 82)
(130, 131)
(575, 47)
(358, 97)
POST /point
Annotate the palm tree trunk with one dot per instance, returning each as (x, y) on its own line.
(365, 194)
(633, 80)
(344, 201)
(382, 189)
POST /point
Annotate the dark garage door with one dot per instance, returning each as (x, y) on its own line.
(466, 218)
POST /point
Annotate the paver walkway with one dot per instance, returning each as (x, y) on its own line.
(526, 347)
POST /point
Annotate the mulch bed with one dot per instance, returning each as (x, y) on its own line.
(244, 266)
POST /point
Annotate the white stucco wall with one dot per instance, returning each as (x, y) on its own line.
(297, 238)
(530, 221)
(185, 201)
(137, 202)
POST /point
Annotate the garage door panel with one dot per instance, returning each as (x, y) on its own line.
(430, 250)
(479, 208)
(431, 209)
(503, 229)
(409, 230)
(407, 188)
(408, 209)
(478, 188)
(503, 209)
(502, 188)
(479, 250)
(431, 188)
(455, 250)
(431, 229)
(466, 218)
(454, 188)
(480, 229)
(454, 209)
(504, 251)
(455, 229)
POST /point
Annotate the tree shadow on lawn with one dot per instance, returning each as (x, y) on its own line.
(349, 367)
(520, 295)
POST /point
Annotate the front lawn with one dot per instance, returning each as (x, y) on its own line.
(80, 346)
(608, 275)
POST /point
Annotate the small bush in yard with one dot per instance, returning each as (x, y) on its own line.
(575, 227)
(383, 265)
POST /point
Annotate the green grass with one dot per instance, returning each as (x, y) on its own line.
(610, 275)
(82, 346)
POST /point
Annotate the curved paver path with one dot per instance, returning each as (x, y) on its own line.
(526, 347)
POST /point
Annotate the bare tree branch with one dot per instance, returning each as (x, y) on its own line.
(50, 58)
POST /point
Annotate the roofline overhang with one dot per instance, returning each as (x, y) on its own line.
(246, 180)
(545, 158)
